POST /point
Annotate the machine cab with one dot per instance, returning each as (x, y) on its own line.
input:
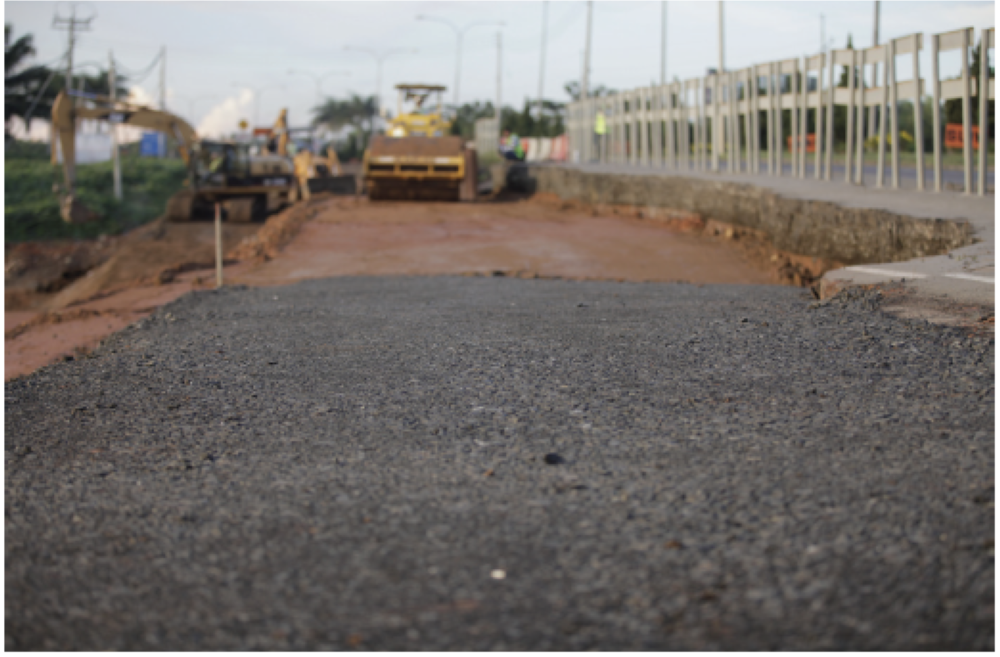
(219, 162)
(420, 119)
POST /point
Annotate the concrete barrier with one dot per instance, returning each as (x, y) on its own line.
(819, 229)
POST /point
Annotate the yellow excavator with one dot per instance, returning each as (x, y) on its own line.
(224, 172)
(417, 158)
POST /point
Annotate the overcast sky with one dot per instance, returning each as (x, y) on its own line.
(215, 48)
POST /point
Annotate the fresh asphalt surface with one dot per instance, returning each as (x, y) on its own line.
(490, 463)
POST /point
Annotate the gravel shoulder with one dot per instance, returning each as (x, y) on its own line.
(456, 463)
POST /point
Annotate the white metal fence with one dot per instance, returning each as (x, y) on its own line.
(487, 135)
(646, 126)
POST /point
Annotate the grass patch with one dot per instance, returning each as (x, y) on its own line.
(31, 208)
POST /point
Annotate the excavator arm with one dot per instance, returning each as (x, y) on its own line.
(65, 113)
(64, 116)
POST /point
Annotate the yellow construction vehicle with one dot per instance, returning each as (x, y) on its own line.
(417, 158)
(313, 172)
(224, 172)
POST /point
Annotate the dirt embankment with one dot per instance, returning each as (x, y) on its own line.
(61, 299)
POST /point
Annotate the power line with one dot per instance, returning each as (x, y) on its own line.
(141, 74)
(41, 92)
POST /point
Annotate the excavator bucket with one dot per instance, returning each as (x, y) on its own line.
(416, 168)
(73, 211)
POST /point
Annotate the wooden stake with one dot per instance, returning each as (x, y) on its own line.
(218, 246)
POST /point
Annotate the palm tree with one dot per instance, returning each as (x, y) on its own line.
(354, 111)
(21, 84)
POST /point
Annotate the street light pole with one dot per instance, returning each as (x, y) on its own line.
(541, 67)
(585, 83)
(663, 43)
(459, 32)
(722, 49)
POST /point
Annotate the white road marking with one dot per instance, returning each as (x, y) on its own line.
(886, 272)
(971, 277)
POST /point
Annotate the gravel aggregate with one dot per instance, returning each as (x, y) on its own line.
(464, 463)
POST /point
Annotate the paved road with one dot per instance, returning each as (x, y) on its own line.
(490, 463)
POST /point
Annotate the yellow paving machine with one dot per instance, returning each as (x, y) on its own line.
(417, 158)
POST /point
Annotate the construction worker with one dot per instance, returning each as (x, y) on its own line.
(303, 162)
(218, 162)
(510, 146)
(600, 129)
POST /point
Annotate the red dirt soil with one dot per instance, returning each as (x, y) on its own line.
(340, 236)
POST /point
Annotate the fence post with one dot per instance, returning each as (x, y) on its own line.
(936, 110)
(656, 126)
(803, 112)
(622, 129)
(682, 117)
(793, 117)
(893, 111)
(984, 92)
(651, 114)
(706, 118)
(859, 173)
(689, 131)
(755, 119)
(620, 150)
(880, 174)
(671, 135)
(849, 141)
(698, 110)
(769, 118)
(918, 111)
(780, 127)
(632, 123)
(746, 122)
(645, 112)
(966, 114)
(734, 123)
(712, 113)
(820, 131)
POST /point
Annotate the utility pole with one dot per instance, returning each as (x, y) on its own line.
(116, 163)
(663, 43)
(541, 67)
(499, 109)
(722, 50)
(585, 83)
(71, 25)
